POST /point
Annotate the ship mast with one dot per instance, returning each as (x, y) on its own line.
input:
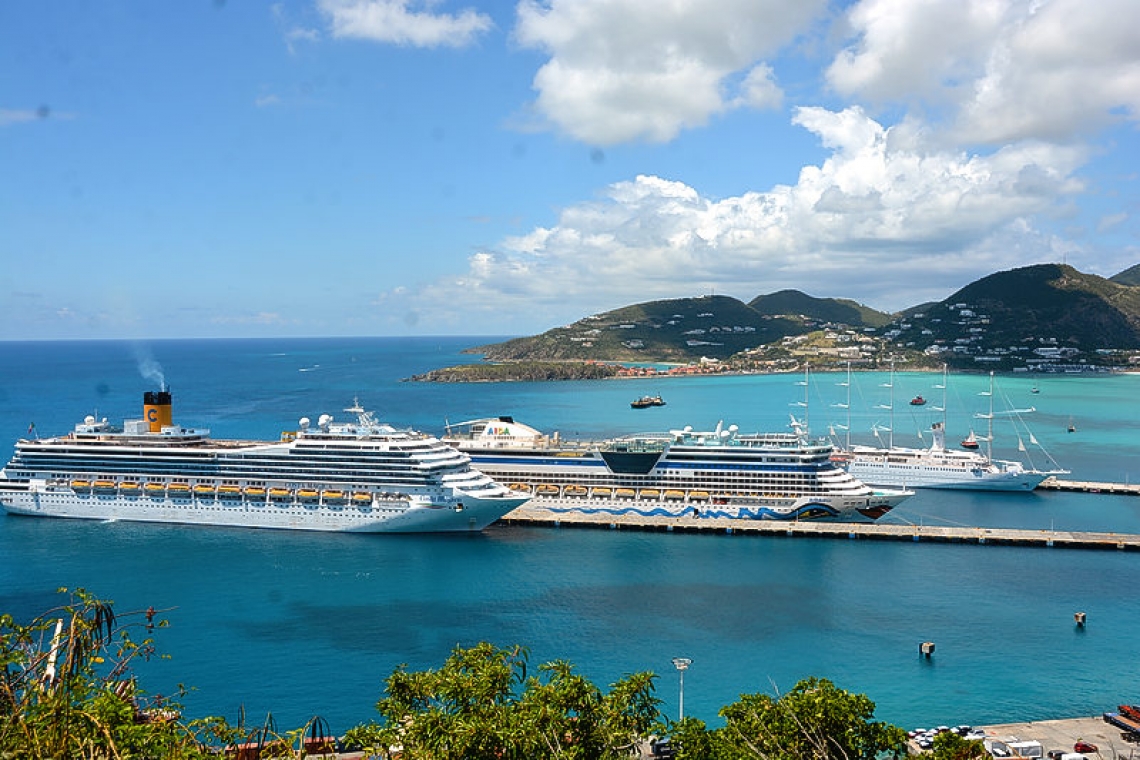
(890, 407)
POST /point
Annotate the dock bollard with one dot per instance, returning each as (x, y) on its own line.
(926, 648)
(1080, 618)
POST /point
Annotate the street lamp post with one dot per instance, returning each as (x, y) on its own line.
(682, 664)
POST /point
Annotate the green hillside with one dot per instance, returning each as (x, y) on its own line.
(1130, 276)
(680, 330)
(1018, 318)
(1013, 318)
(834, 310)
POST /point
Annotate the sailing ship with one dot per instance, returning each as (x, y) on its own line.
(938, 466)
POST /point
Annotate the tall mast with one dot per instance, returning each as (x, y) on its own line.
(990, 424)
(990, 420)
(804, 403)
(891, 408)
(847, 445)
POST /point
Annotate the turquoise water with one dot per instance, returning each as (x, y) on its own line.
(312, 624)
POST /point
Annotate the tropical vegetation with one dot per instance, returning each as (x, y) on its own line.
(68, 690)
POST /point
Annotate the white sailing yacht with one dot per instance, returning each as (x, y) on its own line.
(937, 466)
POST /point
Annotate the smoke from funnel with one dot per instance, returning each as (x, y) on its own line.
(149, 367)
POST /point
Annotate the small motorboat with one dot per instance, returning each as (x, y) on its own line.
(918, 401)
(970, 441)
(647, 401)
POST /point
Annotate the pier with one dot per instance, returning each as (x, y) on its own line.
(1083, 486)
(1057, 539)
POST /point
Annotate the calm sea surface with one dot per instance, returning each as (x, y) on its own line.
(301, 624)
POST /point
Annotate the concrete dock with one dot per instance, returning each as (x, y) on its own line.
(527, 515)
(1086, 486)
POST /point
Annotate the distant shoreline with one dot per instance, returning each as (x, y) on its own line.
(578, 369)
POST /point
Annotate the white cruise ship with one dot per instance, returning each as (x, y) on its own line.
(357, 476)
(720, 473)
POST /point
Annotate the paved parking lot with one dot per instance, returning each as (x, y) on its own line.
(1063, 734)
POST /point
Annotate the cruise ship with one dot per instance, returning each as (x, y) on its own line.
(718, 473)
(354, 476)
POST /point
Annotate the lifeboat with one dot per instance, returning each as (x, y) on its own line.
(104, 485)
(256, 492)
(181, 488)
(362, 497)
(84, 484)
(698, 495)
(280, 494)
(575, 490)
(307, 494)
(129, 486)
(546, 488)
(204, 489)
(649, 493)
(625, 493)
(674, 495)
(520, 487)
(229, 492)
(601, 492)
(154, 487)
(335, 496)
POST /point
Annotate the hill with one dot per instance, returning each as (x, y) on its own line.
(1035, 317)
(833, 310)
(1047, 310)
(685, 329)
(1130, 276)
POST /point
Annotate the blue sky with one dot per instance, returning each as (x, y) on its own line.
(395, 167)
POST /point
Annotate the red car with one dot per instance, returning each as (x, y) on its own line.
(1084, 747)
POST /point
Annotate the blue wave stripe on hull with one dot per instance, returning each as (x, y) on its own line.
(810, 512)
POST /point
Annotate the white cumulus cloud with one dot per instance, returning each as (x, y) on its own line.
(404, 22)
(997, 70)
(878, 219)
(627, 70)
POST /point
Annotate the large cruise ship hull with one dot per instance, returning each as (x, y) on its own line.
(379, 516)
(865, 509)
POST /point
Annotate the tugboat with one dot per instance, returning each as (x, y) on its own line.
(918, 401)
(647, 401)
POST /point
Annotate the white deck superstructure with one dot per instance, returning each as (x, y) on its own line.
(361, 476)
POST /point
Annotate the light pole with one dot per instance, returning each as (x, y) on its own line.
(682, 664)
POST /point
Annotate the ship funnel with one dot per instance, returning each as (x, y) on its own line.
(157, 410)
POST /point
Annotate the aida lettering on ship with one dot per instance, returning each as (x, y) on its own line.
(719, 473)
(358, 476)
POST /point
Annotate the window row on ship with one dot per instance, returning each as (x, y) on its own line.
(336, 467)
(428, 457)
(806, 481)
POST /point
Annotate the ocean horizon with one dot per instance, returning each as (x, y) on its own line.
(311, 624)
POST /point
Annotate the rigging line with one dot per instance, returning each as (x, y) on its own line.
(929, 519)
